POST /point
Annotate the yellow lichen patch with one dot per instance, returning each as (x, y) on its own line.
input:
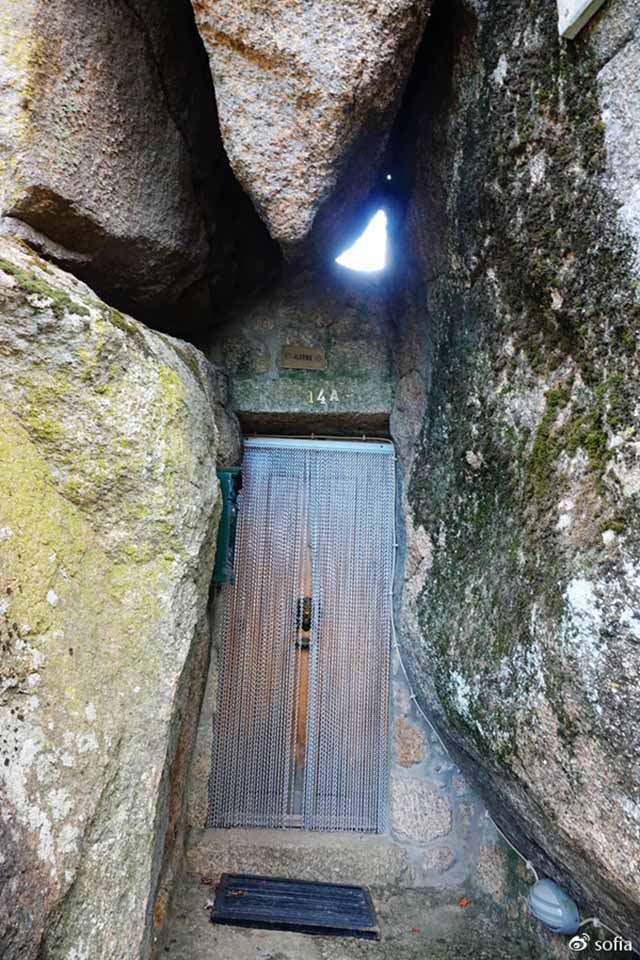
(171, 413)
(172, 388)
(63, 586)
(41, 400)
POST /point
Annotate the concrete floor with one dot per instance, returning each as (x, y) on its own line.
(417, 923)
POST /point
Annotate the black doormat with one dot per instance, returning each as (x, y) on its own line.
(272, 903)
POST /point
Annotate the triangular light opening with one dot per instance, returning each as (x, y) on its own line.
(369, 252)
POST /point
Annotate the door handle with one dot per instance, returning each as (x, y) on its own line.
(303, 622)
(303, 616)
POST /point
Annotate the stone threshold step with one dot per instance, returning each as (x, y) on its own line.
(363, 859)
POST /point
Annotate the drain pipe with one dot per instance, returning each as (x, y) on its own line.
(547, 900)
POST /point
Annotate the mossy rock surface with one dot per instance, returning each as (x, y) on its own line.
(108, 511)
(524, 637)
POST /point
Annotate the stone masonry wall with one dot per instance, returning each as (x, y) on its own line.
(343, 314)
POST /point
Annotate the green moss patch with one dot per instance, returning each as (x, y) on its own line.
(32, 284)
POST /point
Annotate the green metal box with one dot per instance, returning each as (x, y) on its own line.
(230, 483)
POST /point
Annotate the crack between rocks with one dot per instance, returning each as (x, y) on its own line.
(629, 38)
(148, 42)
(151, 53)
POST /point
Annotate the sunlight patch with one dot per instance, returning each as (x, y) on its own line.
(369, 252)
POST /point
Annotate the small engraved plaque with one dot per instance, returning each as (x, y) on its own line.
(298, 356)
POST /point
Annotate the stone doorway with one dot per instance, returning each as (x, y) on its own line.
(301, 734)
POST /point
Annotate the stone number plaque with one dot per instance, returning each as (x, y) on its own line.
(298, 356)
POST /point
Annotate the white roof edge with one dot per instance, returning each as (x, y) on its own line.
(573, 15)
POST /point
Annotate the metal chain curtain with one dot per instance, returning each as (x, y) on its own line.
(332, 501)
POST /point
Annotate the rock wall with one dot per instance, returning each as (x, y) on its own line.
(305, 92)
(107, 525)
(522, 616)
(93, 157)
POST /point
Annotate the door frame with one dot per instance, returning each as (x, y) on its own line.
(347, 443)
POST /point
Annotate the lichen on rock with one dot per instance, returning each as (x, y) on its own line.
(524, 631)
(108, 514)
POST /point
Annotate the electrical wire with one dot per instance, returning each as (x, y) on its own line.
(599, 925)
